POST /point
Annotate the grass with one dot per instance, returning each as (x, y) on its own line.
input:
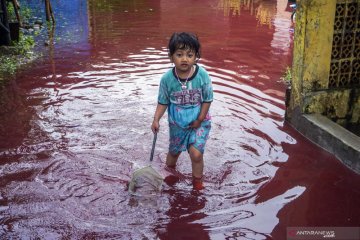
(287, 77)
(18, 53)
(12, 57)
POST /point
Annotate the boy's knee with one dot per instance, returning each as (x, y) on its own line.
(196, 155)
(197, 160)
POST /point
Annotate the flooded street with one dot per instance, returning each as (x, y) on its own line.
(76, 124)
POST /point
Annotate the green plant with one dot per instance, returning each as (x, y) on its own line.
(287, 77)
(8, 64)
(24, 45)
(11, 12)
(25, 12)
(18, 53)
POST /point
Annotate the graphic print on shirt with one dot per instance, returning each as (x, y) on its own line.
(187, 97)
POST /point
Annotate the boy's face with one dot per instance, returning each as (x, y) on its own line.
(183, 59)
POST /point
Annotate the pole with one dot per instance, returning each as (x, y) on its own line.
(49, 12)
(16, 9)
(52, 13)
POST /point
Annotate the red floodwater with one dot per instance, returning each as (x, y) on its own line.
(75, 125)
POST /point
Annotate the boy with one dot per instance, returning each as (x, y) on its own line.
(186, 91)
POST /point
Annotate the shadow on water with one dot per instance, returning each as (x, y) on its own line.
(75, 126)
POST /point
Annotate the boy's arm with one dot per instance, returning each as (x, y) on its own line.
(159, 112)
(204, 110)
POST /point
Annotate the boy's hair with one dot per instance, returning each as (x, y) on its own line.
(184, 41)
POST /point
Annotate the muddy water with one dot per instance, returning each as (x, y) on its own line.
(76, 125)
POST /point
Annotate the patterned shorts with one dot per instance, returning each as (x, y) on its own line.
(182, 138)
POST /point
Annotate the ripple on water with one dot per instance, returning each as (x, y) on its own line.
(90, 129)
(86, 182)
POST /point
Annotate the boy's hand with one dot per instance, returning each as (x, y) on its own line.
(195, 124)
(155, 126)
(159, 112)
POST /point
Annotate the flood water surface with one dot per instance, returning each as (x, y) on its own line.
(76, 124)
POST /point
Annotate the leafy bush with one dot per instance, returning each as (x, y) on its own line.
(20, 52)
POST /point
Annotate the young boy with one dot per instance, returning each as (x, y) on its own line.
(186, 91)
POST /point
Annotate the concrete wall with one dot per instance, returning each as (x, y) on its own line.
(325, 87)
(326, 64)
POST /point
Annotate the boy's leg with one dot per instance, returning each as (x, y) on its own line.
(197, 164)
(171, 159)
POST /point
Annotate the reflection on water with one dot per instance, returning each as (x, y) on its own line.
(263, 10)
(75, 126)
(234, 7)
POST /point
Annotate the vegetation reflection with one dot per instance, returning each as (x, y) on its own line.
(264, 11)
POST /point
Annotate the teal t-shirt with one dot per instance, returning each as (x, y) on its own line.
(184, 105)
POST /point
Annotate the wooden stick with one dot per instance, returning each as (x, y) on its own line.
(16, 9)
(17, 4)
(47, 10)
(52, 13)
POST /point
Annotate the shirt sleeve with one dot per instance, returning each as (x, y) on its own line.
(207, 89)
(163, 96)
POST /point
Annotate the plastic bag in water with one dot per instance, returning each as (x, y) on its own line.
(145, 181)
